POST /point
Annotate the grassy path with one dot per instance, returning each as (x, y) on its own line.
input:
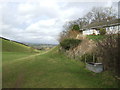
(50, 70)
(30, 56)
(26, 57)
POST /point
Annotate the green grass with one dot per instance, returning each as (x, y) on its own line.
(95, 37)
(50, 70)
(9, 57)
(10, 46)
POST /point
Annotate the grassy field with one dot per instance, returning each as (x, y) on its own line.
(49, 70)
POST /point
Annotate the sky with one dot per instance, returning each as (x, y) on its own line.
(41, 21)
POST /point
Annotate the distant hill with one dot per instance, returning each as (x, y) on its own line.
(42, 46)
(13, 46)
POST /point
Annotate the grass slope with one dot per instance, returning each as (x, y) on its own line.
(10, 46)
(50, 70)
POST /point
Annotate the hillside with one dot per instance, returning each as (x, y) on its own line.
(50, 69)
(11, 46)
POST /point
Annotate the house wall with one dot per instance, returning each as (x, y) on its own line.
(112, 29)
(90, 31)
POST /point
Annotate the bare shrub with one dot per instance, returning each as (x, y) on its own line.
(108, 50)
(68, 34)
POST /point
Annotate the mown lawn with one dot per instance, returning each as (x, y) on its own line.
(50, 70)
(95, 37)
(9, 57)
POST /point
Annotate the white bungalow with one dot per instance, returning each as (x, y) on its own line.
(90, 32)
(112, 26)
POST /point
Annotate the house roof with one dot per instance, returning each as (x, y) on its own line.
(102, 24)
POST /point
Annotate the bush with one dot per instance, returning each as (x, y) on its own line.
(76, 27)
(69, 43)
(102, 31)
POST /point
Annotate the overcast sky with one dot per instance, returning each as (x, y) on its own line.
(41, 21)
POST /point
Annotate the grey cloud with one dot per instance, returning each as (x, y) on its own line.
(37, 23)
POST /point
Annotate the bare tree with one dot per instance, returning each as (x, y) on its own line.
(98, 14)
(82, 22)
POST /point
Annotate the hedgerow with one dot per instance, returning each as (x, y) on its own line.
(69, 43)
